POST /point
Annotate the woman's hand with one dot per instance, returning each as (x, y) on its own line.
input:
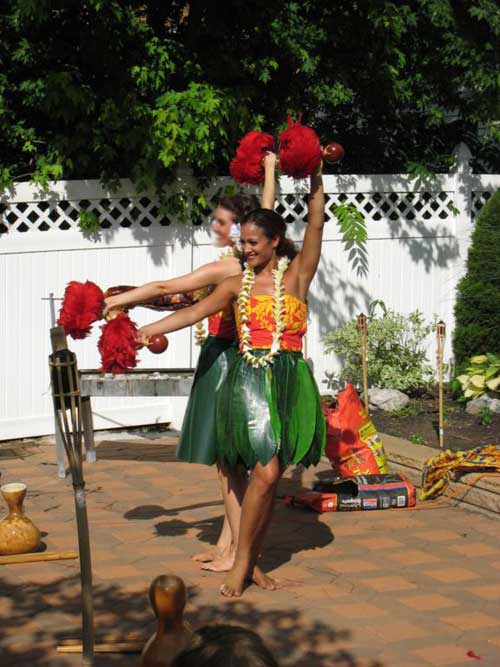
(270, 161)
(109, 304)
(143, 336)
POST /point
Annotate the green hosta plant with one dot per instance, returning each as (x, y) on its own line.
(481, 375)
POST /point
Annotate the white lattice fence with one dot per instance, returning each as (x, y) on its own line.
(63, 215)
(417, 242)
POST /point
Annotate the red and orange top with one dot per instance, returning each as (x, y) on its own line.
(222, 324)
(262, 323)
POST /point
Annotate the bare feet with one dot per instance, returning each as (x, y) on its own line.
(264, 580)
(234, 583)
(209, 556)
(235, 580)
(222, 563)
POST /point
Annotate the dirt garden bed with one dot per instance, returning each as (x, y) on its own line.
(418, 422)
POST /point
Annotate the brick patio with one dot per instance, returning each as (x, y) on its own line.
(393, 588)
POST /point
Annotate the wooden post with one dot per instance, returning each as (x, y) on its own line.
(441, 333)
(363, 339)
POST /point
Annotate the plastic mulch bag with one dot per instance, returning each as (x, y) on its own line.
(352, 443)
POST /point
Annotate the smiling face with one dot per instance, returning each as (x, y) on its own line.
(257, 248)
(221, 226)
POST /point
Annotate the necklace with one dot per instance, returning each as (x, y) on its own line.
(278, 311)
(200, 334)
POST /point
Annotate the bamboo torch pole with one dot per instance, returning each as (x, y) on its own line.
(363, 339)
(67, 407)
(441, 333)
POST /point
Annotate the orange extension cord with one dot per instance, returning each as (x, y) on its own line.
(446, 498)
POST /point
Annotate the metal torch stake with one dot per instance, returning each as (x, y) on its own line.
(363, 338)
(441, 333)
(66, 395)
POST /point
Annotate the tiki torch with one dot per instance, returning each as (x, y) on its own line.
(67, 409)
(441, 333)
(363, 339)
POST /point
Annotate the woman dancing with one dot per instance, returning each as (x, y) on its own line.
(268, 410)
(197, 439)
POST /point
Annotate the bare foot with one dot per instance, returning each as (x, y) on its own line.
(264, 580)
(235, 580)
(222, 563)
(208, 556)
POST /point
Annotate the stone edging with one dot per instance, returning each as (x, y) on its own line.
(409, 458)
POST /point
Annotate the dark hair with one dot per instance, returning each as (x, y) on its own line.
(225, 646)
(239, 205)
(273, 225)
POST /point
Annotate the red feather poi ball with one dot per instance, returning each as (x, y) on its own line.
(157, 343)
(118, 345)
(246, 167)
(82, 306)
(299, 149)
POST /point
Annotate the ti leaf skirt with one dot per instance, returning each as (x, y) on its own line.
(198, 441)
(268, 411)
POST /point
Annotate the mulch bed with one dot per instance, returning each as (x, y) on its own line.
(419, 423)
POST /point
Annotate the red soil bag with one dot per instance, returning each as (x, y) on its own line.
(353, 445)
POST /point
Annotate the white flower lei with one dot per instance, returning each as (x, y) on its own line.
(278, 310)
(200, 334)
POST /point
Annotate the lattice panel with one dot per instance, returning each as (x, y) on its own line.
(63, 215)
(478, 200)
(376, 206)
(144, 211)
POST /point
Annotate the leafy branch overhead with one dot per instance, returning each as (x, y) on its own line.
(118, 88)
(354, 235)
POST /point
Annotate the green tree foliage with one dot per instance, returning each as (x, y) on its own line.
(477, 308)
(109, 89)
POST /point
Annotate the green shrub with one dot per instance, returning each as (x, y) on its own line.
(477, 308)
(397, 358)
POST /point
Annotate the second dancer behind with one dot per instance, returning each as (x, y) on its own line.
(268, 410)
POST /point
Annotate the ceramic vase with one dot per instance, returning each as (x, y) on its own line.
(18, 534)
(167, 595)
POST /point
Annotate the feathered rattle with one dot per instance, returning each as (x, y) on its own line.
(83, 305)
(299, 153)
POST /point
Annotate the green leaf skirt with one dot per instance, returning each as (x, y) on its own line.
(198, 442)
(268, 411)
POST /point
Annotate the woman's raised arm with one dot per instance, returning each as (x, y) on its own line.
(308, 257)
(269, 191)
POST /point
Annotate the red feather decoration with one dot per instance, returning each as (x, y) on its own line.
(246, 167)
(299, 149)
(82, 306)
(118, 345)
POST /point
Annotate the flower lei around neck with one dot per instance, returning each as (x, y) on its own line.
(278, 310)
(200, 334)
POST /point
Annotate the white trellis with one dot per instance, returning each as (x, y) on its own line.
(418, 234)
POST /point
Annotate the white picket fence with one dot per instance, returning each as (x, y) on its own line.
(414, 256)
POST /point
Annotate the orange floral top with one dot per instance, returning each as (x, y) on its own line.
(262, 322)
(222, 324)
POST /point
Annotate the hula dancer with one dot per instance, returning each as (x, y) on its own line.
(198, 437)
(268, 410)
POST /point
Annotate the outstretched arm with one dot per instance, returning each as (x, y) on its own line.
(269, 191)
(209, 274)
(308, 257)
(220, 298)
